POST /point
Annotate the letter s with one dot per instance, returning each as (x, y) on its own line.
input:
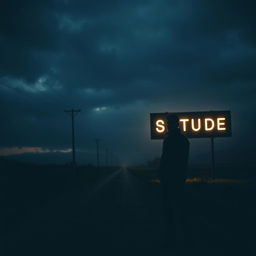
(160, 127)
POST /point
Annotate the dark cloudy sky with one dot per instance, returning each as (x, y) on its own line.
(118, 61)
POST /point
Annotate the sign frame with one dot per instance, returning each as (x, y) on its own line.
(214, 115)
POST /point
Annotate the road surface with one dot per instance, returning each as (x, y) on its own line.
(122, 215)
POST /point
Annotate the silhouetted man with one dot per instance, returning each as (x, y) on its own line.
(173, 168)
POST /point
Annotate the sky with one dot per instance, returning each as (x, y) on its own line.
(118, 61)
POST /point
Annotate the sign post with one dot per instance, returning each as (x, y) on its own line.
(207, 124)
(213, 158)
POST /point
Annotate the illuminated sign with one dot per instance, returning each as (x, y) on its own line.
(194, 124)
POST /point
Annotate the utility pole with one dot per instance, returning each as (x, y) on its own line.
(106, 157)
(111, 158)
(73, 112)
(98, 151)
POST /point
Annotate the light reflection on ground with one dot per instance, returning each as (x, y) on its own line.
(210, 180)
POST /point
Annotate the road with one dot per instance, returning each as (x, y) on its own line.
(122, 215)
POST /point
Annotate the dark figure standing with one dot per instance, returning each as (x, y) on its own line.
(173, 168)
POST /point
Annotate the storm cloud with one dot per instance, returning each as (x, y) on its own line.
(118, 61)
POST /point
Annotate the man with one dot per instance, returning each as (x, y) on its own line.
(173, 168)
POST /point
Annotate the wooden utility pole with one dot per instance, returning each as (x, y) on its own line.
(73, 112)
(98, 151)
(106, 156)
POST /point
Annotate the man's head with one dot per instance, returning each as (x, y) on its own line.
(172, 123)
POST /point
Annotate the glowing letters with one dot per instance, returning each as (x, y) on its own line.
(208, 124)
(184, 123)
(219, 123)
(198, 124)
(160, 126)
(194, 124)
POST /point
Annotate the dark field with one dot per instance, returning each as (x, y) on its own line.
(47, 210)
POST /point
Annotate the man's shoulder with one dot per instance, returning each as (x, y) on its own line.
(184, 137)
(180, 139)
(178, 136)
